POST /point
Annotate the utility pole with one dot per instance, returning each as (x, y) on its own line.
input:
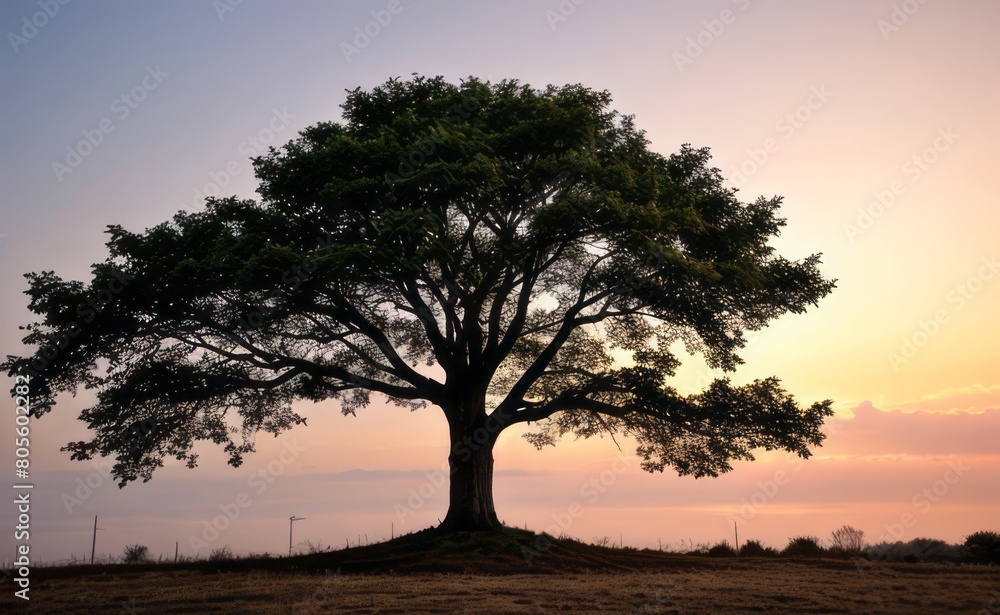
(93, 545)
(291, 520)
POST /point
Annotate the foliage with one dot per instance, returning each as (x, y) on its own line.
(722, 549)
(316, 547)
(916, 550)
(754, 548)
(696, 548)
(847, 540)
(803, 546)
(983, 547)
(528, 243)
(222, 554)
(136, 554)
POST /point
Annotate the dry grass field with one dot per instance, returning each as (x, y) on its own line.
(754, 587)
(489, 578)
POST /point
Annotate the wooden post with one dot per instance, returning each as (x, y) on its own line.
(93, 544)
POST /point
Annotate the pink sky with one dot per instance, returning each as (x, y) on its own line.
(881, 139)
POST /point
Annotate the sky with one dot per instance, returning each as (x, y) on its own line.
(874, 119)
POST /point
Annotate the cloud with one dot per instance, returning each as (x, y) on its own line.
(875, 432)
(974, 399)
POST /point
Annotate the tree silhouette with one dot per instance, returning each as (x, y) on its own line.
(507, 254)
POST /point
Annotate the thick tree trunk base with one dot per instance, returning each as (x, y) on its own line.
(470, 507)
(486, 522)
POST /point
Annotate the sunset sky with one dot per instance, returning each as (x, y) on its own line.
(875, 120)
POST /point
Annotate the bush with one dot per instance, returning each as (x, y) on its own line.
(316, 547)
(847, 541)
(136, 554)
(221, 554)
(753, 548)
(722, 549)
(700, 548)
(264, 555)
(983, 547)
(803, 546)
(916, 550)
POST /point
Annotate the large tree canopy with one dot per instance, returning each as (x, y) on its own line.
(506, 254)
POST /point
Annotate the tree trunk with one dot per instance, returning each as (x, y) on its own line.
(470, 507)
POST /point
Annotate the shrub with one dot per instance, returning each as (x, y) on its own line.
(699, 548)
(316, 547)
(803, 546)
(722, 549)
(983, 547)
(847, 541)
(916, 550)
(136, 554)
(221, 554)
(753, 548)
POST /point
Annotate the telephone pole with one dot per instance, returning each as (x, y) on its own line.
(93, 544)
(291, 520)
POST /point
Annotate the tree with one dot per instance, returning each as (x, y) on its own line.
(507, 254)
(848, 539)
(136, 554)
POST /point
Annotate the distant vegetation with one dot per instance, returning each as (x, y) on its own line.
(848, 542)
(136, 554)
(753, 548)
(844, 543)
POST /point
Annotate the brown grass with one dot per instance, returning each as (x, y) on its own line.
(483, 576)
